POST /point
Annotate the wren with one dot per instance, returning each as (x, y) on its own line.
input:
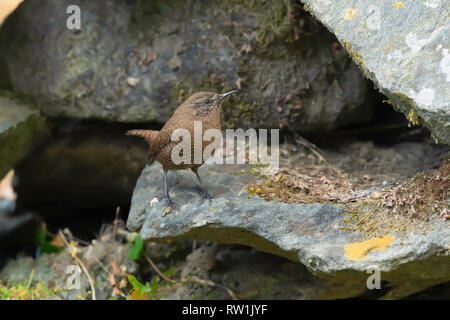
(201, 106)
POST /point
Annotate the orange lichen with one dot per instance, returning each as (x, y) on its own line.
(359, 250)
(398, 4)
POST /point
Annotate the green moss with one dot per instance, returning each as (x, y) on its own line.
(357, 57)
(413, 117)
(372, 219)
(188, 85)
(17, 141)
(235, 113)
(403, 104)
(29, 291)
(272, 16)
(143, 8)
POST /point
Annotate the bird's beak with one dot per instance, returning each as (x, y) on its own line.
(223, 95)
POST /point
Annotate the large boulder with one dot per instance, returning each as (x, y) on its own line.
(21, 130)
(403, 48)
(136, 61)
(314, 235)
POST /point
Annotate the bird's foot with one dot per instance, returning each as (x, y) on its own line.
(172, 204)
(205, 194)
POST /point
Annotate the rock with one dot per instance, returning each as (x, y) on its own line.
(403, 48)
(86, 166)
(198, 264)
(106, 260)
(311, 234)
(7, 206)
(21, 129)
(292, 70)
(249, 273)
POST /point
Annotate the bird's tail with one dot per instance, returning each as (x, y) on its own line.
(148, 135)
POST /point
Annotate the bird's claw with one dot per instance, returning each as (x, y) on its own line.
(172, 204)
(205, 194)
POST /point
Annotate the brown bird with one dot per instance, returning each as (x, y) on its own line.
(201, 106)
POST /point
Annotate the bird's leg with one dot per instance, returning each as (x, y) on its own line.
(205, 193)
(168, 199)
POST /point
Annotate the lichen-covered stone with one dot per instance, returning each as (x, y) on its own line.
(403, 46)
(136, 61)
(21, 129)
(312, 234)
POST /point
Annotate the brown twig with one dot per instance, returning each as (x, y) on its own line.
(190, 279)
(314, 149)
(116, 222)
(158, 271)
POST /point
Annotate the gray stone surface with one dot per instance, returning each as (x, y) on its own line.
(403, 46)
(137, 62)
(307, 233)
(21, 129)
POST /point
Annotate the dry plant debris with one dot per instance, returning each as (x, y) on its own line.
(372, 207)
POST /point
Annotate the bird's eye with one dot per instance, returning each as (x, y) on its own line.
(206, 101)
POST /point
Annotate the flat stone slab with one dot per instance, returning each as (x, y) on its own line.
(403, 46)
(311, 234)
(21, 128)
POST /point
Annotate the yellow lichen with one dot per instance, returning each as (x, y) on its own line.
(357, 57)
(398, 4)
(413, 117)
(359, 250)
(436, 140)
(350, 14)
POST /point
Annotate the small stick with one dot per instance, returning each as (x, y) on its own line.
(158, 271)
(116, 222)
(190, 279)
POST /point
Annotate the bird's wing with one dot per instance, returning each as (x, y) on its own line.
(177, 121)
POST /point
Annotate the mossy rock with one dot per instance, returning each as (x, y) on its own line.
(292, 71)
(21, 129)
(407, 61)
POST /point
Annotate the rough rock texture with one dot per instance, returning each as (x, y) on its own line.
(83, 166)
(21, 129)
(249, 273)
(306, 233)
(403, 47)
(135, 61)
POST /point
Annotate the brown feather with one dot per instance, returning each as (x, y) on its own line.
(193, 109)
(148, 135)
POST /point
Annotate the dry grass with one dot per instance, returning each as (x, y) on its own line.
(372, 209)
(414, 205)
(425, 195)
